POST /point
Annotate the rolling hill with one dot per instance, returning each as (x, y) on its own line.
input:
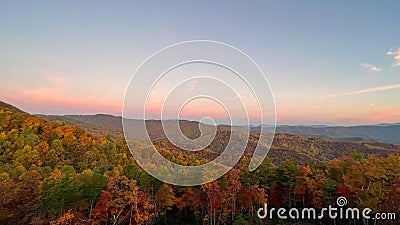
(308, 147)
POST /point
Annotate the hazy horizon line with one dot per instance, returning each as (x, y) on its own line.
(224, 124)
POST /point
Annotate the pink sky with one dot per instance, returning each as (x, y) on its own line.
(55, 101)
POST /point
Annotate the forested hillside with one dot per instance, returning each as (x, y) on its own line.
(301, 149)
(52, 173)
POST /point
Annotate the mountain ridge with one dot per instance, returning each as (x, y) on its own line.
(388, 133)
(301, 148)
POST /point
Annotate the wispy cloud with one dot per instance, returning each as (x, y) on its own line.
(368, 90)
(396, 56)
(370, 67)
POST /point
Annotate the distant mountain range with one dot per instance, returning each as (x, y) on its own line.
(112, 125)
(301, 143)
(382, 132)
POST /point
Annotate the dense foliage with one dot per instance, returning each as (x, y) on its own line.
(51, 173)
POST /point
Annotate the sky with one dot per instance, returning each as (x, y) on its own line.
(335, 63)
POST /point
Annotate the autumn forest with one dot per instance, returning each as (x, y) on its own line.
(55, 173)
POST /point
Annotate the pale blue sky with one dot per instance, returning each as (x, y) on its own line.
(77, 56)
